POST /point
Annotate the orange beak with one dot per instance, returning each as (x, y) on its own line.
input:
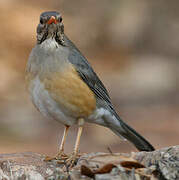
(52, 20)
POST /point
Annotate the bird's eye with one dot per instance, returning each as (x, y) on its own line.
(60, 19)
(41, 21)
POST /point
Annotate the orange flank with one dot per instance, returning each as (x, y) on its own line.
(70, 92)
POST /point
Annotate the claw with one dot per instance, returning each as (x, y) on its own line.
(72, 160)
(61, 156)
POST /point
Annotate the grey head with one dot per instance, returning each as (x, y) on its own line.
(50, 26)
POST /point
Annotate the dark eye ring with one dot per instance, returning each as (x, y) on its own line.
(60, 19)
(41, 21)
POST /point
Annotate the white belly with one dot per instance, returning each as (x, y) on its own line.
(46, 105)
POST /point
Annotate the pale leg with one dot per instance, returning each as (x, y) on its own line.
(63, 139)
(75, 151)
(61, 155)
(74, 155)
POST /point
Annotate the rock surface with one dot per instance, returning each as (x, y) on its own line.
(160, 164)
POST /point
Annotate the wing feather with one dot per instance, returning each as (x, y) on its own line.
(87, 73)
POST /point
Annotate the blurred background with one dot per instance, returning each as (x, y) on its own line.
(132, 45)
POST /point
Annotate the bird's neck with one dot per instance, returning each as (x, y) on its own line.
(49, 44)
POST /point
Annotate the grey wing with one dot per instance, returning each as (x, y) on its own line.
(87, 73)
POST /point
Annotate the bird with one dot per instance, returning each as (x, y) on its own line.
(63, 86)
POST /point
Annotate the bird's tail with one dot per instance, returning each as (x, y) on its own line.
(122, 129)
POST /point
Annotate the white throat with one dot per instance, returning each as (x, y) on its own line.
(49, 44)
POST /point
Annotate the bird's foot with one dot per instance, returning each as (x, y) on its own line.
(61, 156)
(72, 160)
